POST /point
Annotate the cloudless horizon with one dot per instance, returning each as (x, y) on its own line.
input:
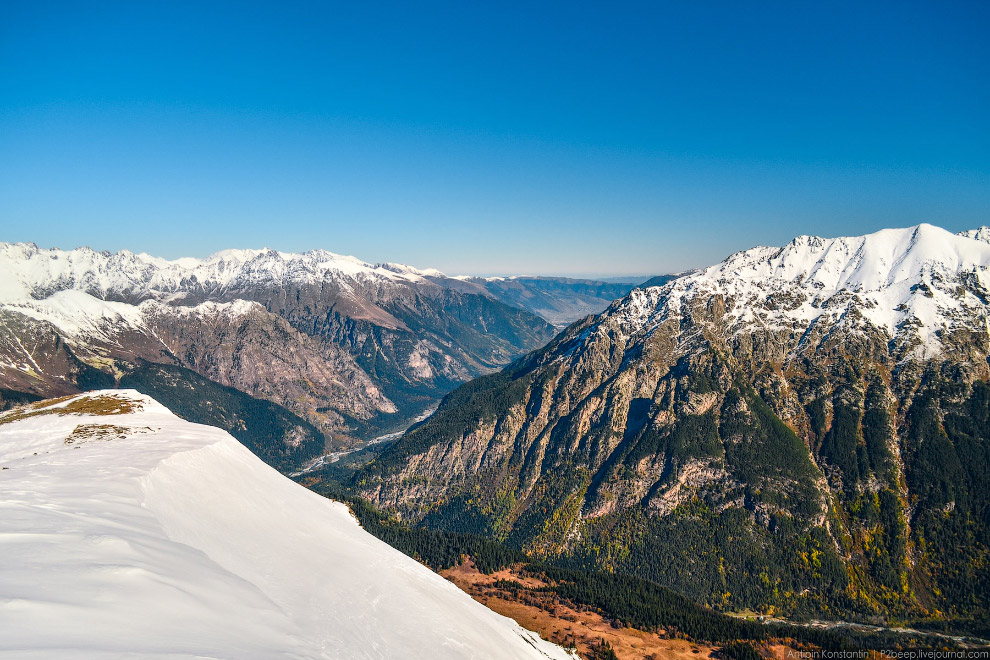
(544, 139)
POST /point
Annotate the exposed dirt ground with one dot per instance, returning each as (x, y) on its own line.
(562, 624)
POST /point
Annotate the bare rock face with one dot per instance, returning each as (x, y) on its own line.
(252, 350)
(794, 429)
(37, 360)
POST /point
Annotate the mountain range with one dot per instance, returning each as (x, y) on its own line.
(799, 430)
(353, 348)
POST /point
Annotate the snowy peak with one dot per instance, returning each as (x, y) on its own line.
(921, 281)
(872, 262)
(128, 532)
(30, 272)
(980, 234)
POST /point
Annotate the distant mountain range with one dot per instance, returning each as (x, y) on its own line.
(353, 348)
(559, 300)
(801, 429)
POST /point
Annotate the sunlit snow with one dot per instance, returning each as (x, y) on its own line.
(144, 536)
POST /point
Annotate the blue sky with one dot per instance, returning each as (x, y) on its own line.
(564, 138)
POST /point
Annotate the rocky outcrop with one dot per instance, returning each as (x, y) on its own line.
(246, 347)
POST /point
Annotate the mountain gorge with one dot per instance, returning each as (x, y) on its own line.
(801, 430)
(354, 349)
(560, 300)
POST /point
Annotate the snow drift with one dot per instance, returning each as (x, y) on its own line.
(127, 532)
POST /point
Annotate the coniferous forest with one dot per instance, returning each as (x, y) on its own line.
(626, 599)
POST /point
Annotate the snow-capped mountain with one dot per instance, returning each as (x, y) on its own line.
(28, 271)
(128, 532)
(981, 234)
(352, 347)
(920, 282)
(802, 428)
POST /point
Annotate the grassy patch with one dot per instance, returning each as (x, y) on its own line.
(98, 432)
(106, 404)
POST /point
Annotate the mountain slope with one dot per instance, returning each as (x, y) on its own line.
(354, 348)
(795, 429)
(275, 435)
(130, 532)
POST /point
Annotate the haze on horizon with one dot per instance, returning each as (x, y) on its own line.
(568, 140)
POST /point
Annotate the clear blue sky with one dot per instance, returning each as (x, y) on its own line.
(568, 138)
